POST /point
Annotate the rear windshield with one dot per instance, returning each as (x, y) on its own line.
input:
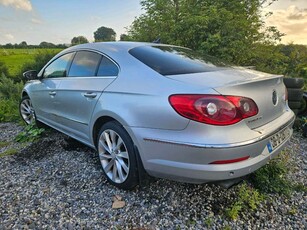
(169, 60)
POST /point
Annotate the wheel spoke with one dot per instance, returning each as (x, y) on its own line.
(25, 108)
(123, 155)
(123, 165)
(119, 142)
(120, 171)
(108, 167)
(113, 137)
(114, 171)
(105, 156)
(106, 148)
(107, 138)
(28, 117)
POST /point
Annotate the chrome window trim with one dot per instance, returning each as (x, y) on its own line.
(75, 51)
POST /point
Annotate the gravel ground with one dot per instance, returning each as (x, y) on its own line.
(57, 183)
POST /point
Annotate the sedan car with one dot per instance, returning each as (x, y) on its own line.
(161, 109)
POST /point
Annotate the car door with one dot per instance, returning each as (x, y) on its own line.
(44, 91)
(79, 92)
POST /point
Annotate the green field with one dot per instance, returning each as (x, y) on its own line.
(15, 58)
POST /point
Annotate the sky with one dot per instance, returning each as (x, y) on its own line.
(58, 21)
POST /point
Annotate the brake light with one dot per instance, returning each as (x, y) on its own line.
(213, 109)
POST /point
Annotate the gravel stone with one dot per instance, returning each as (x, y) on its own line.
(58, 183)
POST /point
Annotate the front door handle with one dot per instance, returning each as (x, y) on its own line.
(90, 95)
(52, 93)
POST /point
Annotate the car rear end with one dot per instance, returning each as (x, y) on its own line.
(232, 131)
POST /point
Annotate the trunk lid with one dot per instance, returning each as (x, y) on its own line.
(268, 91)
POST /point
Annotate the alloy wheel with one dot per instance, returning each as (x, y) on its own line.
(27, 111)
(114, 156)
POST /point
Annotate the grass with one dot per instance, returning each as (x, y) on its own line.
(15, 58)
(9, 152)
(30, 133)
(248, 199)
(272, 178)
(4, 144)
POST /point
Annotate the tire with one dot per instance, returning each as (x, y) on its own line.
(303, 108)
(26, 110)
(295, 94)
(120, 169)
(296, 83)
(304, 130)
(294, 104)
(295, 111)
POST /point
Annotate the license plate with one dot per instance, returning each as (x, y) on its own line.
(277, 139)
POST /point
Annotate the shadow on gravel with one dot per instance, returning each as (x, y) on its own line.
(50, 144)
(70, 144)
(37, 150)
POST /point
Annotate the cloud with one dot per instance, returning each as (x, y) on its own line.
(9, 37)
(36, 21)
(291, 21)
(18, 4)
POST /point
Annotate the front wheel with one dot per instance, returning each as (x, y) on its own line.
(117, 156)
(26, 110)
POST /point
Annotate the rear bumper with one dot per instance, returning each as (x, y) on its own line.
(190, 162)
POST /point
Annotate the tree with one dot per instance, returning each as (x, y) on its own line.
(23, 44)
(47, 45)
(104, 34)
(78, 40)
(125, 37)
(228, 29)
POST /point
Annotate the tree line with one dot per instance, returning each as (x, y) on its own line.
(232, 30)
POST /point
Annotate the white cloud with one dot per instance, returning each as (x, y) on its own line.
(18, 4)
(9, 37)
(292, 21)
(36, 21)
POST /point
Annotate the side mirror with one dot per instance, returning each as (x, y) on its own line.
(30, 75)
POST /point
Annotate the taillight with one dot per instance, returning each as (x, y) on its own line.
(213, 109)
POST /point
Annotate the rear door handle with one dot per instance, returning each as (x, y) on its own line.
(90, 95)
(52, 93)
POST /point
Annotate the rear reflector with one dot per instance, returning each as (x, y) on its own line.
(230, 161)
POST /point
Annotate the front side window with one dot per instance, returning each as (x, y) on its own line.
(58, 68)
(84, 64)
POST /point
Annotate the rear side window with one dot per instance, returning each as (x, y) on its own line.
(84, 64)
(107, 68)
(58, 67)
(168, 60)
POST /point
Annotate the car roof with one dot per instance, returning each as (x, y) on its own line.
(112, 49)
(118, 51)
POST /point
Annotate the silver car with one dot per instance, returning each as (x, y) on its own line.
(161, 109)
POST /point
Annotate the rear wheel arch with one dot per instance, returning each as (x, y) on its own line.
(98, 124)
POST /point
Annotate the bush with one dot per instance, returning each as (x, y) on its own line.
(9, 99)
(9, 110)
(248, 200)
(40, 60)
(3, 69)
(31, 133)
(272, 178)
